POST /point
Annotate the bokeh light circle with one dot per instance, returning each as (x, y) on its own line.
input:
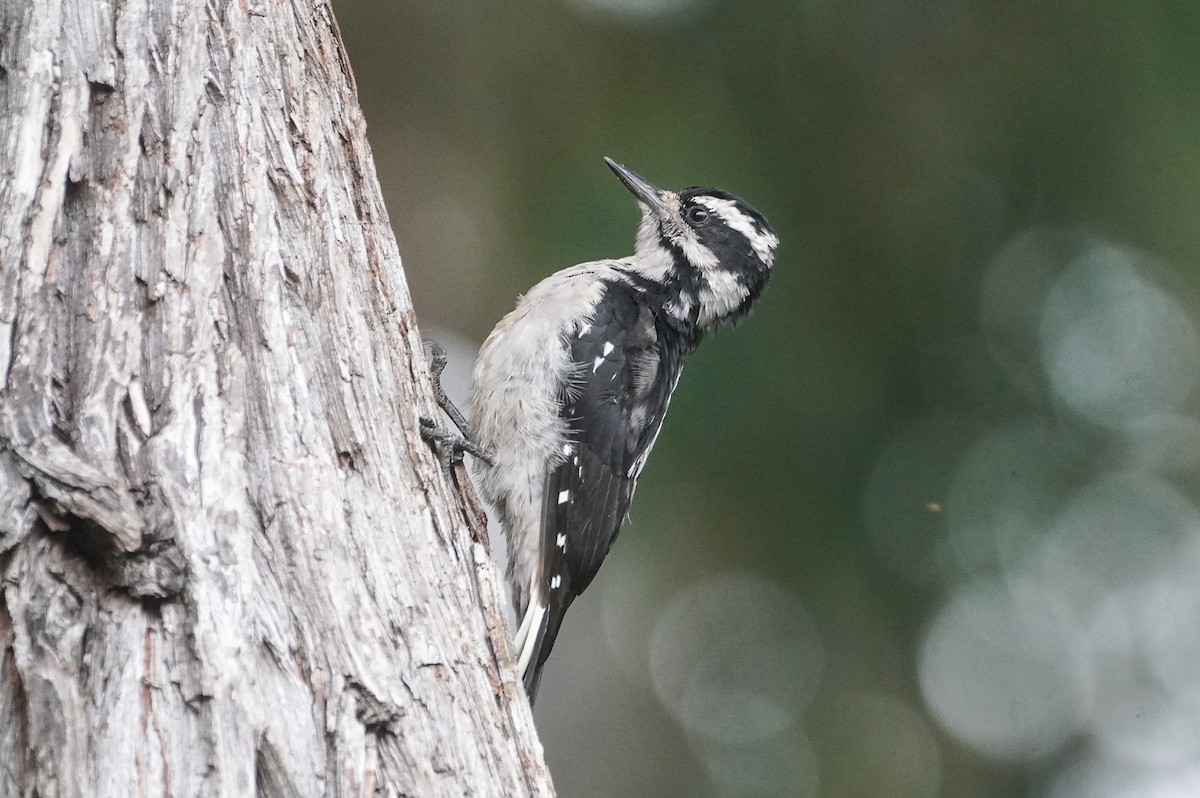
(1115, 347)
(1002, 667)
(734, 657)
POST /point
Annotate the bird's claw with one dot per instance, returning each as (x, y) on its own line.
(450, 446)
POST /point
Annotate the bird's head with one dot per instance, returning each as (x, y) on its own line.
(709, 251)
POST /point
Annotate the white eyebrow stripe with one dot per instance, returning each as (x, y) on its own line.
(763, 243)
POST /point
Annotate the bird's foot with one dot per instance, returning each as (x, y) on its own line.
(437, 364)
(449, 446)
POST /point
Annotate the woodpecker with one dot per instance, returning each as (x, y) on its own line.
(570, 389)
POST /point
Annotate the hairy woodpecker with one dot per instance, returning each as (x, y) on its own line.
(570, 389)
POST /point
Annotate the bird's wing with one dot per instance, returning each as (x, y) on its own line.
(614, 403)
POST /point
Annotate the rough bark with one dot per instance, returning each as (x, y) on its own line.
(229, 565)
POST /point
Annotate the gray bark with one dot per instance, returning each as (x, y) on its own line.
(229, 565)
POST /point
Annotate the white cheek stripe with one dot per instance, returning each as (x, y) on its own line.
(763, 243)
(697, 254)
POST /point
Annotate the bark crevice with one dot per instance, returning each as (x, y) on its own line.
(228, 563)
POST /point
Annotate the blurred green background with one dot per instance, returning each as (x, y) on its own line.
(925, 524)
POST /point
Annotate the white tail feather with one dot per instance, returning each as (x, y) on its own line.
(527, 635)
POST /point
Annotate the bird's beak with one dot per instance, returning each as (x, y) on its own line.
(646, 192)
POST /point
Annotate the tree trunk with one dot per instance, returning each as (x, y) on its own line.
(229, 564)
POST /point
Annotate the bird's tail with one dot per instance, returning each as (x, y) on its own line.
(536, 635)
(529, 643)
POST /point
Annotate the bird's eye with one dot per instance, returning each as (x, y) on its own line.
(697, 215)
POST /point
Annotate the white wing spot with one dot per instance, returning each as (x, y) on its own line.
(561, 540)
(596, 365)
(566, 448)
(576, 460)
(555, 582)
(563, 496)
(584, 329)
(608, 347)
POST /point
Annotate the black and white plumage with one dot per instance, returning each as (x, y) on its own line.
(570, 389)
